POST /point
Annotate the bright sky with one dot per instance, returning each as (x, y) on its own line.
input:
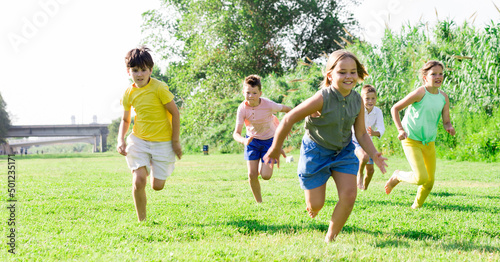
(66, 57)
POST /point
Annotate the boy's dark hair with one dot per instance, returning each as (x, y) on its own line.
(253, 81)
(139, 57)
(369, 89)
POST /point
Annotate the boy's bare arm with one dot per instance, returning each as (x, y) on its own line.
(176, 127)
(124, 125)
(286, 109)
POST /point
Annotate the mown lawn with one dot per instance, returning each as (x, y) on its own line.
(80, 208)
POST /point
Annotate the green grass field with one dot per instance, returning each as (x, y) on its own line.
(80, 208)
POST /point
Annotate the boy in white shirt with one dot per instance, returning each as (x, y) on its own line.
(374, 123)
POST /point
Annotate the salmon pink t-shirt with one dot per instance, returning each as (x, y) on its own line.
(259, 121)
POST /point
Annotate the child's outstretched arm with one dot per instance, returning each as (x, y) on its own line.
(124, 125)
(308, 107)
(365, 141)
(445, 114)
(411, 98)
(286, 109)
(238, 137)
(176, 126)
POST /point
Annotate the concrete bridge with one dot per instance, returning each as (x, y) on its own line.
(96, 132)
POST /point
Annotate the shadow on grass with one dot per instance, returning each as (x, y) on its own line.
(363, 204)
(465, 208)
(468, 246)
(253, 226)
(446, 194)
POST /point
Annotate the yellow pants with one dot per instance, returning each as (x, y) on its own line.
(422, 159)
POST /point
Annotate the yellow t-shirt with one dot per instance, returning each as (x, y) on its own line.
(152, 121)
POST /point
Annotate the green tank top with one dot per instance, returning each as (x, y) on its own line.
(332, 129)
(422, 118)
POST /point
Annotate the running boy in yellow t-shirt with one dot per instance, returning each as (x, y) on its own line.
(154, 141)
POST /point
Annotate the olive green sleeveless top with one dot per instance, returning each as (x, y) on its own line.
(332, 129)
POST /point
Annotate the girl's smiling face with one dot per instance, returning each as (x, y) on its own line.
(434, 77)
(344, 76)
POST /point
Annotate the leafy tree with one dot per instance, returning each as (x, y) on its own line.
(211, 45)
(113, 133)
(4, 120)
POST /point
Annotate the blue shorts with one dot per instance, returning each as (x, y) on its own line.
(357, 146)
(317, 163)
(257, 149)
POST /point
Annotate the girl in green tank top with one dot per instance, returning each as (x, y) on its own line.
(418, 130)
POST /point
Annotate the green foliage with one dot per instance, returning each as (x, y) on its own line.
(63, 148)
(211, 46)
(472, 69)
(291, 90)
(477, 137)
(113, 129)
(218, 43)
(4, 120)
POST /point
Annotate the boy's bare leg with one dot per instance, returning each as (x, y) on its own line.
(363, 159)
(157, 184)
(266, 171)
(370, 170)
(253, 179)
(315, 199)
(392, 182)
(346, 188)
(139, 191)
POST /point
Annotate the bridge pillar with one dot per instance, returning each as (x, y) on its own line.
(104, 139)
(104, 144)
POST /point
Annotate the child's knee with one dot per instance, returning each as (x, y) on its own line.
(266, 174)
(348, 195)
(157, 188)
(428, 185)
(423, 180)
(315, 206)
(370, 170)
(253, 175)
(139, 183)
(365, 158)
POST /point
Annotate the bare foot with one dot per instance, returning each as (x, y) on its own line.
(311, 213)
(392, 182)
(415, 206)
(329, 239)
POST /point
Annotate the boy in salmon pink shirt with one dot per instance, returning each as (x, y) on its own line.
(257, 114)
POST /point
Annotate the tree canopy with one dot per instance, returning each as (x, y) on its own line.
(211, 46)
(4, 120)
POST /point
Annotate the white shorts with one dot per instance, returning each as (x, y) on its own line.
(158, 155)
